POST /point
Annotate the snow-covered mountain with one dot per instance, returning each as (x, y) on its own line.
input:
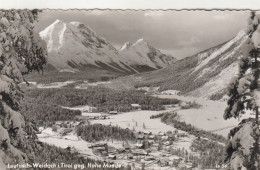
(205, 74)
(218, 68)
(142, 53)
(73, 46)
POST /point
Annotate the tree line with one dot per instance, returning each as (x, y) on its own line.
(98, 132)
(211, 153)
(171, 118)
(103, 98)
(44, 113)
(171, 113)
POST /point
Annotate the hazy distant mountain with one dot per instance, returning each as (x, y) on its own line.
(74, 46)
(205, 74)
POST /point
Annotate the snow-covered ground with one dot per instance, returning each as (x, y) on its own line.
(30, 83)
(54, 85)
(139, 118)
(82, 108)
(209, 117)
(170, 92)
(82, 86)
(54, 138)
(98, 83)
(149, 89)
(218, 83)
(81, 146)
(86, 84)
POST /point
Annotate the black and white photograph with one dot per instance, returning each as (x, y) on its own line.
(129, 88)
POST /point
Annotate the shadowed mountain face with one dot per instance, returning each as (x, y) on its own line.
(73, 47)
(205, 74)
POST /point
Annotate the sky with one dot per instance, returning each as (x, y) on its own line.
(179, 33)
(131, 4)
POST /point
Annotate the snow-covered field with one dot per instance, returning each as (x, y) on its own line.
(86, 84)
(139, 118)
(54, 85)
(81, 146)
(82, 108)
(209, 117)
(148, 89)
(30, 83)
(53, 138)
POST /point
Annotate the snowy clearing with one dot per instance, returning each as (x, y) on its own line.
(209, 117)
(54, 85)
(139, 118)
(54, 138)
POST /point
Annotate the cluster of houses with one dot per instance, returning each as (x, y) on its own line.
(109, 152)
(145, 144)
(166, 138)
(106, 115)
(64, 127)
(102, 117)
(134, 106)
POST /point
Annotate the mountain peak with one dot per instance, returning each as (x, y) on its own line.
(126, 46)
(140, 41)
(58, 21)
(74, 44)
(75, 23)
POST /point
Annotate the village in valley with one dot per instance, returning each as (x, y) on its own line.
(129, 89)
(154, 145)
(148, 150)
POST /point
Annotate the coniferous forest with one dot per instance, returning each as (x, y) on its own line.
(104, 99)
(98, 132)
(45, 113)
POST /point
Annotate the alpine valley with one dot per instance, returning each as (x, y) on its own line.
(205, 74)
(77, 52)
(100, 105)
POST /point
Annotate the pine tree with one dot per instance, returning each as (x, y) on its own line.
(21, 51)
(243, 92)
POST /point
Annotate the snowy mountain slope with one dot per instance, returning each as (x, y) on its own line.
(205, 74)
(141, 53)
(227, 65)
(73, 46)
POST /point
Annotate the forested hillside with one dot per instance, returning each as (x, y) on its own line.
(103, 98)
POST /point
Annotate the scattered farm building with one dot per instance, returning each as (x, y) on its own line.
(147, 133)
(151, 137)
(136, 106)
(139, 145)
(121, 150)
(112, 157)
(127, 146)
(130, 156)
(113, 112)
